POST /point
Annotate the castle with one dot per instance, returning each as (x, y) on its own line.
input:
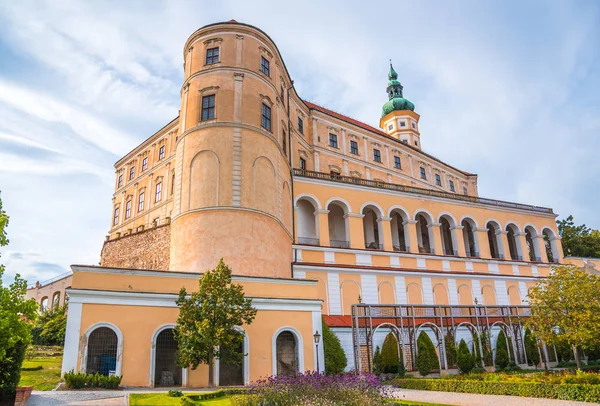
(314, 212)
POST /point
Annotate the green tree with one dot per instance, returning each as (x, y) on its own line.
(16, 317)
(465, 360)
(391, 361)
(427, 359)
(335, 357)
(531, 348)
(377, 361)
(52, 325)
(450, 350)
(578, 241)
(502, 359)
(565, 308)
(207, 318)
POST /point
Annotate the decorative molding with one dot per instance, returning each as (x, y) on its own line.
(209, 90)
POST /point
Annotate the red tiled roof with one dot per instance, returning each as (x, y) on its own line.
(375, 130)
(338, 321)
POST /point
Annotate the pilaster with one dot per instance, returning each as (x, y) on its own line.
(354, 222)
(323, 222)
(385, 225)
(484, 244)
(460, 241)
(438, 248)
(413, 241)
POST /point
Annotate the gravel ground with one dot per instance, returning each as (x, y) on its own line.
(468, 399)
(76, 398)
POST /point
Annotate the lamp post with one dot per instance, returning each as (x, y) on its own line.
(317, 338)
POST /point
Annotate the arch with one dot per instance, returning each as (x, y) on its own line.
(488, 293)
(425, 232)
(203, 188)
(377, 208)
(448, 215)
(399, 226)
(531, 234)
(440, 294)
(425, 213)
(163, 363)
(44, 304)
(441, 346)
(287, 354)
(350, 295)
(448, 234)
(55, 299)
(514, 296)
(514, 247)
(341, 202)
(465, 295)
(494, 235)
(264, 194)
(493, 339)
(470, 220)
(399, 338)
(103, 349)
(323, 292)
(414, 293)
(311, 198)
(339, 228)
(307, 222)
(386, 293)
(470, 239)
(372, 230)
(550, 244)
(228, 374)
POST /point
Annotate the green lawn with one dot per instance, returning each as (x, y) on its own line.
(45, 379)
(146, 399)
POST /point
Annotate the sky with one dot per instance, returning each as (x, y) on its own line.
(508, 90)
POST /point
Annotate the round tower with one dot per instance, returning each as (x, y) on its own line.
(233, 195)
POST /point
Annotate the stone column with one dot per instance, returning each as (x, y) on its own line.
(540, 247)
(385, 233)
(505, 246)
(558, 242)
(460, 241)
(413, 240)
(354, 227)
(438, 247)
(317, 166)
(484, 244)
(323, 222)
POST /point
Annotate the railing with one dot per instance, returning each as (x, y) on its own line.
(308, 241)
(51, 280)
(426, 250)
(339, 244)
(498, 256)
(473, 255)
(373, 246)
(397, 248)
(516, 258)
(450, 252)
(418, 191)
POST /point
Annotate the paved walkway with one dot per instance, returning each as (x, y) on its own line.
(469, 399)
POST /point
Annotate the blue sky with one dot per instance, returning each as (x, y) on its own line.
(508, 90)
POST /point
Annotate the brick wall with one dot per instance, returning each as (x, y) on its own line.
(148, 249)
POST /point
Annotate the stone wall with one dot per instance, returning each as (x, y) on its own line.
(148, 249)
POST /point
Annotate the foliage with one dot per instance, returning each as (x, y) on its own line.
(81, 380)
(531, 348)
(315, 389)
(450, 350)
(206, 321)
(565, 308)
(427, 359)
(16, 316)
(391, 362)
(465, 360)
(174, 393)
(578, 241)
(335, 357)
(43, 373)
(502, 359)
(51, 327)
(377, 361)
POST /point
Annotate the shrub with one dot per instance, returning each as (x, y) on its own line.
(465, 359)
(427, 359)
(450, 350)
(10, 367)
(531, 349)
(81, 380)
(390, 360)
(501, 352)
(377, 361)
(335, 357)
(174, 393)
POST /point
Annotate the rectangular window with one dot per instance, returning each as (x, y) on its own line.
(266, 117)
(438, 180)
(158, 194)
(212, 56)
(141, 202)
(264, 66)
(397, 164)
(452, 186)
(376, 155)
(354, 147)
(128, 209)
(284, 143)
(300, 126)
(131, 172)
(423, 175)
(144, 164)
(390, 127)
(208, 107)
(302, 164)
(116, 217)
(161, 152)
(402, 123)
(413, 125)
(465, 191)
(333, 140)
(120, 182)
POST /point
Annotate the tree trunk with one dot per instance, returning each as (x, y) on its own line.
(577, 359)
(211, 380)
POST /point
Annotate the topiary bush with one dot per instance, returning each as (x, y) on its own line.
(531, 349)
(450, 350)
(465, 360)
(427, 359)
(81, 380)
(377, 361)
(335, 357)
(390, 359)
(502, 360)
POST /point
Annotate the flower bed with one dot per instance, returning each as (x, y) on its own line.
(581, 386)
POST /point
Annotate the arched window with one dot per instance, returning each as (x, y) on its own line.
(166, 371)
(400, 235)
(489, 295)
(514, 296)
(287, 354)
(440, 295)
(550, 245)
(232, 373)
(306, 214)
(56, 300)
(511, 232)
(350, 294)
(414, 294)
(530, 235)
(102, 352)
(494, 241)
(371, 228)
(387, 294)
(44, 304)
(338, 234)
(447, 231)
(424, 234)
(471, 242)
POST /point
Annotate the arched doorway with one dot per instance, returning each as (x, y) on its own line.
(338, 231)
(287, 354)
(102, 352)
(232, 373)
(166, 371)
(306, 214)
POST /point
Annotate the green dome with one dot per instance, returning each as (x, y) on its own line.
(396, 99)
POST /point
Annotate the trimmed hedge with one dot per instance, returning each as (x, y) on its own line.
(81, 380)
(194, 400)
(580, 392)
